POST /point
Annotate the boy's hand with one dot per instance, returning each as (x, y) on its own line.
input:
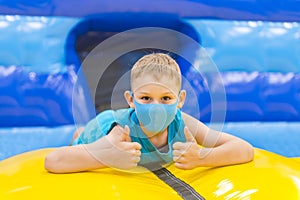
(186, 154)
(116, 149)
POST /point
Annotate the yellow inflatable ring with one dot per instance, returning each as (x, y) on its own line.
(269, 176)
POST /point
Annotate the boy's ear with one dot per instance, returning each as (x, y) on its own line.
(181, 100)
(129, 98)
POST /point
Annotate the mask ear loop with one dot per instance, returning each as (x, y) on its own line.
(179, 98)
(131, 93)
(179, 93)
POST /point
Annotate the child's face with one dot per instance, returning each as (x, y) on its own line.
(155, 102)
(149, 90)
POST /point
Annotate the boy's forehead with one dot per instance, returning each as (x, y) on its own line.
(170, 84)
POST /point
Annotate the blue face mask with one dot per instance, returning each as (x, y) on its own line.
(155, 117)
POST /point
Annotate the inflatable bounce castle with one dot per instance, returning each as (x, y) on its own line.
(245, 67)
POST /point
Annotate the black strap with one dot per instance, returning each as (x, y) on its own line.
(111, 127)
(181, 187)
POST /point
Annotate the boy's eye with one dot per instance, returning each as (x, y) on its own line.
(145, 98)
(166, 98)
(163, 99)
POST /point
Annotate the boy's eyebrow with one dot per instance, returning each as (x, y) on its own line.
(144, 92)
(168, 93)
(165, 93)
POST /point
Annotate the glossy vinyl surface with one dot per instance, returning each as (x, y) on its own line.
(269, 176)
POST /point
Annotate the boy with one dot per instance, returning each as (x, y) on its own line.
(152, 132)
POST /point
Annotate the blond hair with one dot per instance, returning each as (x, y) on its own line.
(157, 65)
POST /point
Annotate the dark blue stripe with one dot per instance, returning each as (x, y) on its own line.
(182, 188)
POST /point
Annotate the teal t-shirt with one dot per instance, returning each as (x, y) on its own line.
(101, 125)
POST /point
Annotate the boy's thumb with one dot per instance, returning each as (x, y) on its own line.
(125, 135)
(188, 135)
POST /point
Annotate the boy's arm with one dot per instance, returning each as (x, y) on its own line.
(71, 159)
(218, 149)
(114, 150)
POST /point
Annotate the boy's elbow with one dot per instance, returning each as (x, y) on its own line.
(249, 155)
(51, 162)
